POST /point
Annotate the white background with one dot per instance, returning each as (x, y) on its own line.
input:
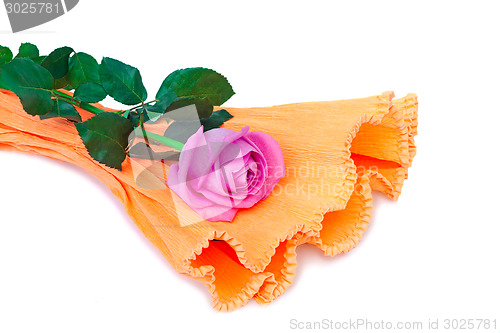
(72, 261)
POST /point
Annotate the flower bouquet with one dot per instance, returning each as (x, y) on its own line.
(225, 194)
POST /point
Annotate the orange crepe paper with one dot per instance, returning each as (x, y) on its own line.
(335, 153)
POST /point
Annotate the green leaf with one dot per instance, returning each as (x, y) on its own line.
(144, 151)
(153, 111)
(64, 110)
(216, 120)
(28, 50)
(83, 68)
(62, 83)
(38, 60)
(57, 62)
(135, 118)
(170, 102)
(203, 106)
(164, 102)
(198, 82)
(122, 82)
(5, 55)
(31, 83)
(181, 130)
(106, 138)
(90, 92)
(150, 113)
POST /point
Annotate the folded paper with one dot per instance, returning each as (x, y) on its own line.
(335, 153)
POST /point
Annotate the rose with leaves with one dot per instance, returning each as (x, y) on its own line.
(219, 170)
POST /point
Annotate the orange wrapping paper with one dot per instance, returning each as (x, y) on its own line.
(335, 153)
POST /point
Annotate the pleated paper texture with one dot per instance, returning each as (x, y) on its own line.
(335, 152)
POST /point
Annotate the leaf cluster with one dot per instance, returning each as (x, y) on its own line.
(39, 81)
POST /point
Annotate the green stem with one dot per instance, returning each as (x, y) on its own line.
(65, 97)
(142, 105)
(91, 108)
(83, 105)
(159, 138)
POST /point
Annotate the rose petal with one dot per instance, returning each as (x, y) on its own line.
(271, 152)
(217, 213)
(194, 152)
(274, 170)
(183, 190)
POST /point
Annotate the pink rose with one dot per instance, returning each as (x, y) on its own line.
(221, 171)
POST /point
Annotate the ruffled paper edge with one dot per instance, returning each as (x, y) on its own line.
(262, 286)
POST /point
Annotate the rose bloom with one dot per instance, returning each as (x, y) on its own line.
(221, 171)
